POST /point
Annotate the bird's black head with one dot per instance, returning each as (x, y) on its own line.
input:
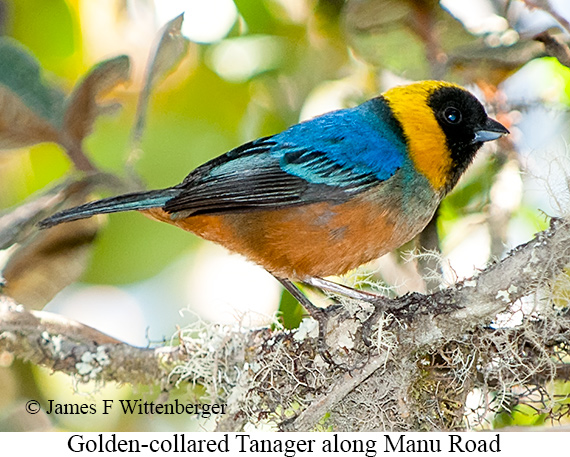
(465, 124)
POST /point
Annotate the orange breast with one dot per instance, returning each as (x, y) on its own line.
(319, 239)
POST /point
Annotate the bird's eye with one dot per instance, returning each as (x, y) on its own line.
(452, 115)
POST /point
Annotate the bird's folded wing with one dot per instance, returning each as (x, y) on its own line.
(330, 158)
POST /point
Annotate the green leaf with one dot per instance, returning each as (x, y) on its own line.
(51, 30)
(30, 110)
(379, 28)
(257, 16)
(291, 311)
(20, 73)
(520, 415)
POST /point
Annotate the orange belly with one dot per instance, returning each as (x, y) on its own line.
(319, 239)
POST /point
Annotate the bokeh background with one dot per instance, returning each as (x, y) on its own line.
(254, 67)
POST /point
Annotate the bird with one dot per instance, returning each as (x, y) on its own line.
(327, 194)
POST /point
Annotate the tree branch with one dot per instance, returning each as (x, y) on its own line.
(80, 351)
(428, 353)
(555, 47)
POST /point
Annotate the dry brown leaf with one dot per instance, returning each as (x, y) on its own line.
(21, 126)
(83, 105)
(170, 50)
(53, 259)
(41, 263)
(17, 224)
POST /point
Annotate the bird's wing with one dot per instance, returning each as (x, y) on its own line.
(325, 159)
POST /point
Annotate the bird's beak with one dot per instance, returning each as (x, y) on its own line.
(491, 130)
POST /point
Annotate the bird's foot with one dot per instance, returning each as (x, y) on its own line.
(321, 315)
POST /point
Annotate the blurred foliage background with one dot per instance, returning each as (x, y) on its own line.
(252, 68)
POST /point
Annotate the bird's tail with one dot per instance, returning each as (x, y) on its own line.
(127, 202)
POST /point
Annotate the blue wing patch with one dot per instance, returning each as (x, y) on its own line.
(345, 147)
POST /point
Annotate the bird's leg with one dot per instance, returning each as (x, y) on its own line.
(300, 297)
